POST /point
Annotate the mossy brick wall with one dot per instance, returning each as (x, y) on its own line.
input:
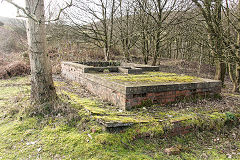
(169, 96)
(128, 96)
(166, 93)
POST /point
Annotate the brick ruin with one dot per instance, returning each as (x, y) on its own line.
(129, 95)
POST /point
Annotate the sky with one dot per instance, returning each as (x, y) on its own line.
(8, 10)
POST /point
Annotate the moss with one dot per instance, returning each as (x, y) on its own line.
(2, 103)
(106, 71)
(86, 103)
(103, 113)
(216, 120)
(231, 95)
(155, 129)
(11, 91)
(182, 118)
(204, 120)
(15, 81)
(125, 119)
(107, 138)
(230, 116)
(218, 116)
(58, 83)
(146, 103)
(13, 98)
(151, 77)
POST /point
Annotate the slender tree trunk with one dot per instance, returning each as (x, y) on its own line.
(144, 51)
(157, 49)
(106, 32)
(237, 83)
(42, 88)
(127, 51)
(106, 52)
(158, 35)
(155, 57)
(177, 48)
(220, 65)
(200, 57)
(220, 70)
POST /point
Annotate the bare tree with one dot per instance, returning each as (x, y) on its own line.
(212, 12)
(163, 14)
(232, 41)
(144, 28)
(96, 23)
(126, 26)
(42, 88)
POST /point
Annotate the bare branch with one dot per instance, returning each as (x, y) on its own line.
(23, 10)
(36, 7)
(61, 10)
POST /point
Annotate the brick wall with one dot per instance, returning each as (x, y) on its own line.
(169, 96)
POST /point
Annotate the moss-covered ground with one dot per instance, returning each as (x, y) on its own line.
(62, 137)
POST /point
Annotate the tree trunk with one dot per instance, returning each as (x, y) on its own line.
(220, 71)
(237, 83)
(157, 49)
(106, 52)
(155, 57)
(42, 88)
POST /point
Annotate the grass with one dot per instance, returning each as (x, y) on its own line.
(53, 138)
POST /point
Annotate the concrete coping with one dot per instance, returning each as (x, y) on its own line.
(129, 68)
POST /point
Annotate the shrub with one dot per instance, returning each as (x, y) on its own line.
(17, 68)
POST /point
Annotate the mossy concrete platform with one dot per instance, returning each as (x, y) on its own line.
(130, 90)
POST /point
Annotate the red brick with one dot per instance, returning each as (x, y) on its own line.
(170, 100)
(150, 95)
(169, 96)
(178, 93)
(183, 93)
(167, 100)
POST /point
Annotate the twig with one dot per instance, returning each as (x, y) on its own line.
(22, 9)
(60, 12)
(28, 15)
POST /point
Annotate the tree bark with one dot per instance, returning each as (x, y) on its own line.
(157, 48)
(220, 71)
(42, 88)
(220, 65)
(106, 51)
(236, 86)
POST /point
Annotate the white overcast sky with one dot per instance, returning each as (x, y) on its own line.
(8, 10)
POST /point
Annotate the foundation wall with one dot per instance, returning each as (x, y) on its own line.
(127, 97)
